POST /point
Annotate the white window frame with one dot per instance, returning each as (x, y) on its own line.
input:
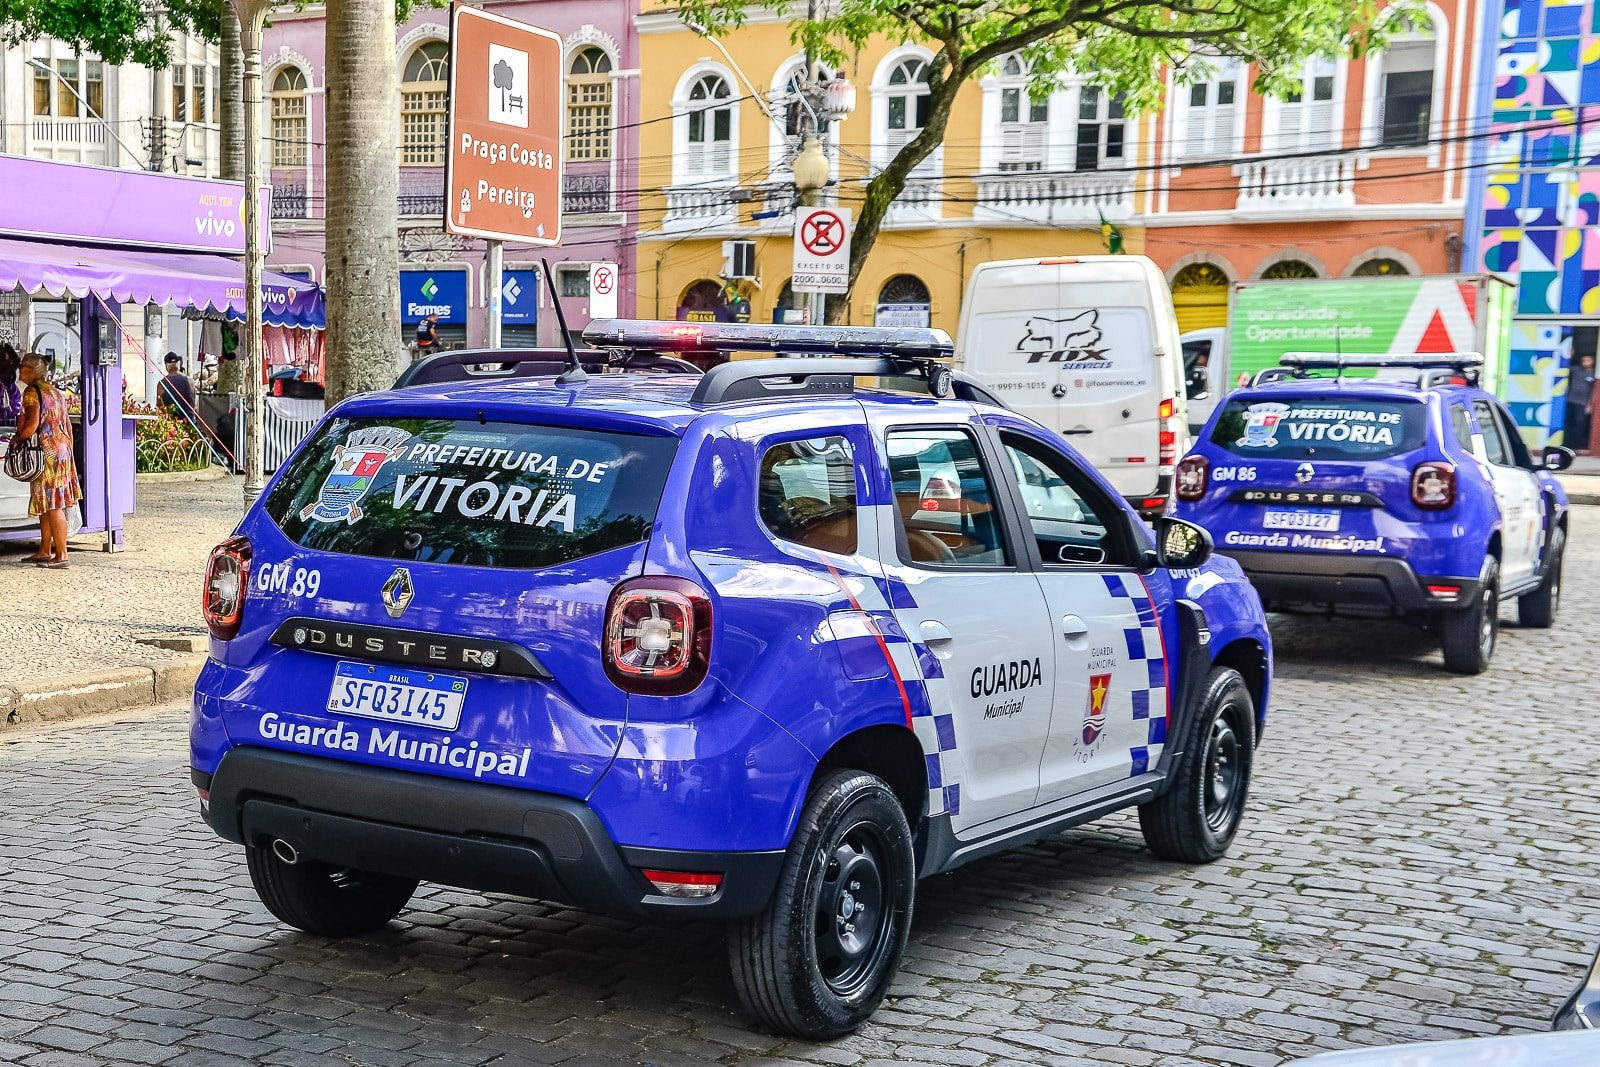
(1221, 134)
(1129, 123)
(1372, 90)
(781, 147)
(1277, 115)
(413, 90)
(569, 80)
(281, 152)
(691, 166)
(881, 90)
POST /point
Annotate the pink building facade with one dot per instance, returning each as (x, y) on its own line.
(440, 271)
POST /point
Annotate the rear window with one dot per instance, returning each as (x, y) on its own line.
(1330, 427)
(477, 494)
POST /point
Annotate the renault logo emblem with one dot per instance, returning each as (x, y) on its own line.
(397, 592)
(1304, 473)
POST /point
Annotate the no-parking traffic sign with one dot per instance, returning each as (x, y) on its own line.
(822, 250)
(602, 290)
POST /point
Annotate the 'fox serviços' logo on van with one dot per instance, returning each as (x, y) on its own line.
(1074, 339)
(356, 464)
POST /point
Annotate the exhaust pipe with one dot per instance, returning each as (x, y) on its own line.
(286, 853)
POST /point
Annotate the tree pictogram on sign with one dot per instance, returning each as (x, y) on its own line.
(822, 233)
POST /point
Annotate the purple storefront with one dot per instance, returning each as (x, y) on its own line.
(104, 240)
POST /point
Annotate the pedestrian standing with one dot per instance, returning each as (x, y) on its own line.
(175, 392)
(1580, 404)
(44, 413)
(10, 391)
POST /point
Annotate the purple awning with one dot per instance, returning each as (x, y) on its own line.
(206, 283)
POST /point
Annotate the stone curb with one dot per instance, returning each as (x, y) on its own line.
(97, 692)
(205, 474)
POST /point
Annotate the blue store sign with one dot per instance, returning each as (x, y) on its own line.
(425, 291)
(519, 298)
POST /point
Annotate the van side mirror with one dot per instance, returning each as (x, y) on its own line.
(1556, 458)
(1181, 545)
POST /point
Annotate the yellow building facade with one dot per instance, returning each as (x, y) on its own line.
(719, 128)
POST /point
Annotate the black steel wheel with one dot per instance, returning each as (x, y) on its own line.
(816, 963)
(1197, 817)
(1537, 610)
(1468, 635)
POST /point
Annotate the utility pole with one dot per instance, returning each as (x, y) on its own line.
(496, 298)
(252, 19)
(809, 194)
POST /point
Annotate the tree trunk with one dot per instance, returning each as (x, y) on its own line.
(362, 183)
(890, 182)
(230, 118)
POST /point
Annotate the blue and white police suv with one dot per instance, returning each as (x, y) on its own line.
(763, 645)
(1407, 495)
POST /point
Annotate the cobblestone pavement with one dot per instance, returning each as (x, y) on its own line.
(1414, 865)
(85, 618)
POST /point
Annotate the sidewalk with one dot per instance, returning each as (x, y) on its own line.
(69, 644)
(1582, 480)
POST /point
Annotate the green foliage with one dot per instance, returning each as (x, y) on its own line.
(164, 442)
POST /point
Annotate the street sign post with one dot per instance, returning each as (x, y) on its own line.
(603, 291)
(503, 163)
(821, 250)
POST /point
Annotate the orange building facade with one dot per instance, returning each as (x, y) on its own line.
(1364, 171)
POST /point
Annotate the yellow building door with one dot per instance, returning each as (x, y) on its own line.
(1200, 297)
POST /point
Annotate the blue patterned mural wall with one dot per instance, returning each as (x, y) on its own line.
(1540, 198)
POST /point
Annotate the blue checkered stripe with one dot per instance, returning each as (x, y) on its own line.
(1145, 670)
(931, 717)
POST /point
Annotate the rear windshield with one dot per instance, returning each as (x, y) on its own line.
(1330, 427)
(494, 494)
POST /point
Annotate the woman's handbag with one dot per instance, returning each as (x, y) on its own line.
(25, 459)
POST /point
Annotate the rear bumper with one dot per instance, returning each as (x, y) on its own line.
(1152, 506)
(1364, 584)
(465, 834)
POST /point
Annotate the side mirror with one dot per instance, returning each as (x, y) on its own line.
(1181, 545)
(1556, 458)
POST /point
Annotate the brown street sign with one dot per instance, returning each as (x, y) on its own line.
(503, 169)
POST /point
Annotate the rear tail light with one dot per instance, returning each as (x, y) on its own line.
(227, 579)
(683, 884)
(658, 635)
(1433, 486)
(1168, 438)
(1193, 475)
(1445, 592)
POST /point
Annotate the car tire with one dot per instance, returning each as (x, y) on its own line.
(323, 899)
(1537, 610)
(1196, 819)
(800, 967)
(1469, 634)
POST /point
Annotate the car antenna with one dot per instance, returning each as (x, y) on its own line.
(574, 372)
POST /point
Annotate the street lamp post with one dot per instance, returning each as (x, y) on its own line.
(252, 16)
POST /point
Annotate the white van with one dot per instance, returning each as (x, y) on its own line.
(1087, 345)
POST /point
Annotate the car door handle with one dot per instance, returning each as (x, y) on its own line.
(935, 632)
(1073, 628)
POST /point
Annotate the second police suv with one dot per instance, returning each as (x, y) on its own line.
(761, 646)
(1405, 493)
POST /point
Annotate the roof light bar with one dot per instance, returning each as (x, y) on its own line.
(1365, 360)
(892, 342)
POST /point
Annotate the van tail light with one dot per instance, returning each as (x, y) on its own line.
(227, 579)
(1433, 486)
(658, 635)
(1194, 473)
(1168, 439)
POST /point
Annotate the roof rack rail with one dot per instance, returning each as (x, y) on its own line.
(496, 364)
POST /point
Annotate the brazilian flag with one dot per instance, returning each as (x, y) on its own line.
(1111, 235)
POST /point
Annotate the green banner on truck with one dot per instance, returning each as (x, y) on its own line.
(1440, 314)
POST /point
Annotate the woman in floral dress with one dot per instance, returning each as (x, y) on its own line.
(44, 412)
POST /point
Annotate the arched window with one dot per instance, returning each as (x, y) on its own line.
(289, 118)
(1307, 119)
(908, 102)
(1289, 268)
(1024, 120)
(589, 106)
(707, 114)
(1200, 296)
(1405, 85)
(904, 289)
(1380, 268)
(703, 295)
(1211, 118)
(424, 90)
